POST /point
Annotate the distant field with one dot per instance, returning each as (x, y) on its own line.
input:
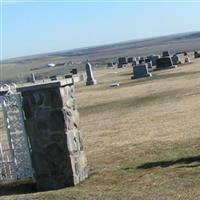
(142, 139)
(18, 70)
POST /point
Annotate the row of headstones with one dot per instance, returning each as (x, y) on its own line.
(160, 62)
(150, 60)
(141, 65)
(33, 78)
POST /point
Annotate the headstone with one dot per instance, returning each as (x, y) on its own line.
(196, 54)
(122, 62)
(187, 59)
(153, 59)
(140, 71)
(148, 62)
(164, 63)
(53, 78)
(52, 125)
(134, 63)
(175, 59)
(90, 77)
(109, 64)
(74, 71)
(130, 60)
(68, 76)
(141, 61)
(33, 78)
(165, 54)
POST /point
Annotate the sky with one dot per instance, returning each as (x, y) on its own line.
(35, 27)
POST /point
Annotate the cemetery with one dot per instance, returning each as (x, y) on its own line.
(136, 136)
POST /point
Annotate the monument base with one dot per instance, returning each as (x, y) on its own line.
(91, 82)
(141, 76)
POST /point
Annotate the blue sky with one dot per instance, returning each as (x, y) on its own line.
(40, 27)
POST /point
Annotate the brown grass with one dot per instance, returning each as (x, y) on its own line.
(142, 138)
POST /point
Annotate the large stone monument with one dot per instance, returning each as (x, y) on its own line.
(140, 71)
(90, 77)
(164, 63)
(52, 125)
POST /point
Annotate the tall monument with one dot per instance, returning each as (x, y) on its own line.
(90, 77)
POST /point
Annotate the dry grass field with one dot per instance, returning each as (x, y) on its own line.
(142, 139)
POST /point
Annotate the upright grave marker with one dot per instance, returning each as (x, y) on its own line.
(90, 77)
(140, 71)
(164, 63)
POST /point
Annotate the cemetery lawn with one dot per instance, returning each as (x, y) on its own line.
(142, 138)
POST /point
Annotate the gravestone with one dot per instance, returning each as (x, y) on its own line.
(187, 59)
(165, 54)
(148, 62)
(141, 61)
(52, 125)
(53, 78)
(196, 54)
(175, 59)
(122, 62)
(153, 59)
(74, 71)
(140, 71)
(33, 78)
(90, 77)
(134, 63)
(109, 64)
(130, 60)
(164, 63)
(68, 76)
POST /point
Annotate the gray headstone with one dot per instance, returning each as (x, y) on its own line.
(130, 60)
(122, 62)
(140, 71)
(109, 64)
(153, 59)
(141, 61)
(175, 59)
(165, 62)
(90, 77)
(165, 54)
(148, 62)
(196, 54)
(33, 78)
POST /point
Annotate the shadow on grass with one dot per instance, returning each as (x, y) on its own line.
(169, 163)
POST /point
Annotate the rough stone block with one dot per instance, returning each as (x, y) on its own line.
(52, 123)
